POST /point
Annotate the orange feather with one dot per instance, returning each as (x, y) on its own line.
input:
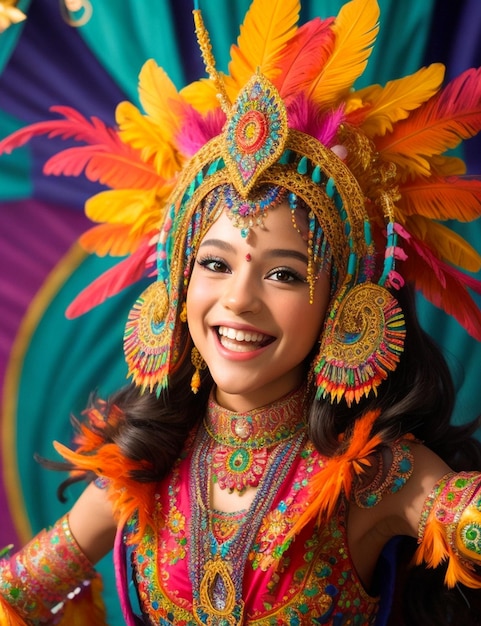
(128, 495)
(8, 616)
(112, 239)
(439, 125)
(337, 475)
(442, 198)
(435, 549)
(86, 607)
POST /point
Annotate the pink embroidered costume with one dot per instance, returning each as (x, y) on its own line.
(360, 174)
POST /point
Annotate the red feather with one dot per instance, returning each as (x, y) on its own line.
(105, 159)
(305, 56)
(111, 282)
(444, 286)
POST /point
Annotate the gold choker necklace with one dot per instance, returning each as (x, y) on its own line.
(241, 443)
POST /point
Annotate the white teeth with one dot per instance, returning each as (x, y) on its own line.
(241, 335)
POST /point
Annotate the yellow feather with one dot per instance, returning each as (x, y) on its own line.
(202, 95)
(397, 98)
(123, 206)
(154, 141)
(159, 97)
(268, 26)
(450, 246)
(356, 28)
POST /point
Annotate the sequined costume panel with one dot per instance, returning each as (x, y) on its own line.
(311, 581)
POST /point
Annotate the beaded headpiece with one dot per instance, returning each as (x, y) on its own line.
(370, 165)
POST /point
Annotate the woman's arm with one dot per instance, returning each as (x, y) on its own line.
(92, 523)
(58, 562)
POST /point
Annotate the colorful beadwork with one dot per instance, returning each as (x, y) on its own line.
(146, 350)
(246, 213)
(41, 575)
(456, 503)
(361, 344)
(217, 569)
(390, 469)
(243, 442)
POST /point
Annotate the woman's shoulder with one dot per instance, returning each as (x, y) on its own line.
(397, 479)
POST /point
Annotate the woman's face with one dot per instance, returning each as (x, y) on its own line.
(248, 309)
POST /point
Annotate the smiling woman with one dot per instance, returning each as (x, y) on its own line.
(244, 317)
(288, 416)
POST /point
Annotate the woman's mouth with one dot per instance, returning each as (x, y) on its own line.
(242, 340)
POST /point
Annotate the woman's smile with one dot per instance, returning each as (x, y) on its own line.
(239, 340)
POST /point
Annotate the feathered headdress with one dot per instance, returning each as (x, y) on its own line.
(372, 166)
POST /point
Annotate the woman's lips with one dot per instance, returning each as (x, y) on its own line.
(238, 340)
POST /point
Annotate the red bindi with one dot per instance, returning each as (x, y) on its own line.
(248, 258)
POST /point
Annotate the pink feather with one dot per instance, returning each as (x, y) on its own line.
(105, 158)
(198, 129)
(304, 116)
(453, 297)
(74, 126)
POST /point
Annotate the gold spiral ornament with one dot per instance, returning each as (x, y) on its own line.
(148, 335)
(362, 341)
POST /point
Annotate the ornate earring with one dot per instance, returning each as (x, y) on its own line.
(199, 364)
(361, 344)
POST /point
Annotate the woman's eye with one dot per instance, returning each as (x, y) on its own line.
(283, 275)
(213, 265)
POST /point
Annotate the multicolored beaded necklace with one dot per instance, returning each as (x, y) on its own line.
(216, 567)
(242, 443)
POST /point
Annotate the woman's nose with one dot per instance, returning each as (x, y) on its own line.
(242, 293)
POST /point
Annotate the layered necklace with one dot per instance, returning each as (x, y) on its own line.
(237, 450)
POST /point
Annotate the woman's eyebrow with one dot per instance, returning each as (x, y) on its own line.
(288, 252)
(218, 243)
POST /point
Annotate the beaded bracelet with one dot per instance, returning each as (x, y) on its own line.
(38, 578)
